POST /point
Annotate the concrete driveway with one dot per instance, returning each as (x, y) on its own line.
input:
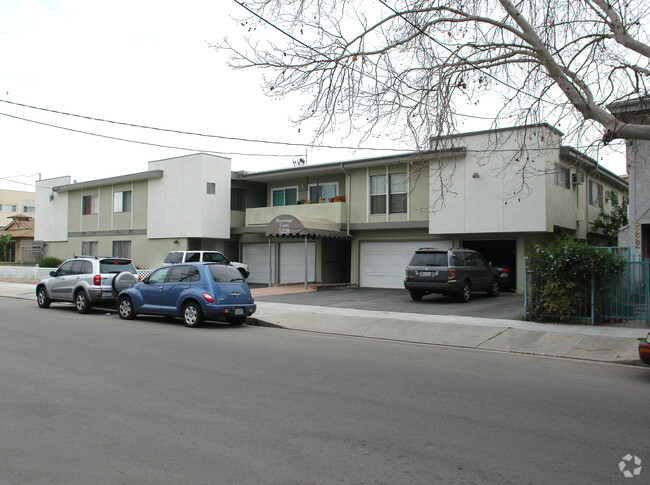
(506, 305)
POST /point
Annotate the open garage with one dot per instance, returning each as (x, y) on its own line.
(502, 253)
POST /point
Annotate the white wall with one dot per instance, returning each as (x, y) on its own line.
(178, 203)
(51, 216)
(508, 193)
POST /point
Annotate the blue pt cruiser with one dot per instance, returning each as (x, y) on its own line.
(194, 292)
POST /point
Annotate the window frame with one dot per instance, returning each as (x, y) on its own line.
(120, 252)
(560, 181)
(284, 195)
(122, 202)
(378, 195)
(319, 191)
(93, 204)
(210, 188)
(238, 199)
(598, 193)
(403, 194)
(93, 248)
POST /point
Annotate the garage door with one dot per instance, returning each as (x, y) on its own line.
(256, 256)
(292, 262)
(382, 263)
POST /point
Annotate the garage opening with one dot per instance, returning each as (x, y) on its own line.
(502, 253)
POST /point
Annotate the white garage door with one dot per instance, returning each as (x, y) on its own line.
(382, 263)
(292, 262)
(256, 256)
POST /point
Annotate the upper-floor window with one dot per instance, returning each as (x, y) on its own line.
(285, 196)
(8, 208)
(211, 188)
(237, 199)
(90, 204)
(122, 201)
(378, 194)
(595, 193)
(323, 191)
(398, 189)
(562, 176)
(28, 209)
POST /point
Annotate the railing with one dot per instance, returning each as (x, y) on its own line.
(624, 297)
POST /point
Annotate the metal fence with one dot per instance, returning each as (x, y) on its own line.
(625, 297)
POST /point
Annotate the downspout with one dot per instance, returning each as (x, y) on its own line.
(347, 190)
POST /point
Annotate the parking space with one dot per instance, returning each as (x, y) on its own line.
(506, 305)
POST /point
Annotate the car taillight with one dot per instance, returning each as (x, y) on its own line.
(451, 273)
(97, 280)
(208, 297)
(139, 278)
(506, 270)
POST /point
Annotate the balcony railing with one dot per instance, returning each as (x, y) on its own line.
(334, 211)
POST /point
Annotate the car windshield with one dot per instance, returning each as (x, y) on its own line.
(214, 258)
(224, 273)
(116, 266)
(432, 258)
(173, 258)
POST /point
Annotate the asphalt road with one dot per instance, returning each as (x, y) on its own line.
(92, 399)
(507, 305)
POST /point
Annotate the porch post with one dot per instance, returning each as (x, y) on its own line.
(270, 267)
(306, 266)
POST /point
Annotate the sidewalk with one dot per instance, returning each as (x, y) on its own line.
(596, 343)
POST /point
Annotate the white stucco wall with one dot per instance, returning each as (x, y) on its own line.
(51, 216)
(494, 188)
(178, 203)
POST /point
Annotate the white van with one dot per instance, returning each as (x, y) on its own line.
(176, 257)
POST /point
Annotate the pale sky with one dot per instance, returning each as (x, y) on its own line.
(148, 63)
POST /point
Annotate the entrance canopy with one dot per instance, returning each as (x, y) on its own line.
(288, 225)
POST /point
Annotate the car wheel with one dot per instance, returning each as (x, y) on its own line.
(41, 298)
(81, 302)
(494, 288)
(125, 308)
(415, 295)
(465, 293)
(236, 320)
(192, 315)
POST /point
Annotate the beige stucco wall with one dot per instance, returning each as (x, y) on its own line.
(18, 198)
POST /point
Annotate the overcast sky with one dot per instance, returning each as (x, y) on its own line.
(146, 63)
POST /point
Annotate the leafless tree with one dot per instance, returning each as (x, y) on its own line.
(413, 65)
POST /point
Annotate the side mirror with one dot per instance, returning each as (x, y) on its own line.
(52, 273)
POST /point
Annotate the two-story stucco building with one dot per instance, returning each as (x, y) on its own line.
(499, 192)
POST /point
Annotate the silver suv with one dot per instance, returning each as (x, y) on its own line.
(87, 281)
(453, 272)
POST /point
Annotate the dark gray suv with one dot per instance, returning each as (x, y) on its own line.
(453, 272)
(87, 281)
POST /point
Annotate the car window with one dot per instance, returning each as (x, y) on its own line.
(116, 266)
(183, 274)
(457, 259)
(430, 258)
(159, 275)
(471, 259)
(480, 261)
(224, 273)
(65, 269)
(82, 267)
(193, 257)
(214, 258)
(173, 258)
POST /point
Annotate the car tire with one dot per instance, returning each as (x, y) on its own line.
(236, 320)
(416, 295)
(81, 302)
(42, 298)
(125, 308)
(494, 289)
(465, 293)
(192, 315)
(123, 281)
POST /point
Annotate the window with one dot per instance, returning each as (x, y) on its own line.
(82, 267)
(183, 274)
(377, 194)
(89, 204)
(595, 193)
(287, 196)
(89, 248)
(122, 249)
(193, 257)
(160, 275)
(562, 176)
(398, 193)
(322, 191)
(122, 201)
(29, 209)
(237, 199)
(65, 269)
(8, 208)
(211, 188)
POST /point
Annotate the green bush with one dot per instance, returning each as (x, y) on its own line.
(563, 274)
(50, 262)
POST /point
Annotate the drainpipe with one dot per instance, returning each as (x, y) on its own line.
(347, 190)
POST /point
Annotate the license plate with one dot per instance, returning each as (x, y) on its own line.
(428, 274)
(239, 311)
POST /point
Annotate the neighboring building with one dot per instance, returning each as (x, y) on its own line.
(14, 202)
(21, 230)
(498, 192)
(637, 235)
